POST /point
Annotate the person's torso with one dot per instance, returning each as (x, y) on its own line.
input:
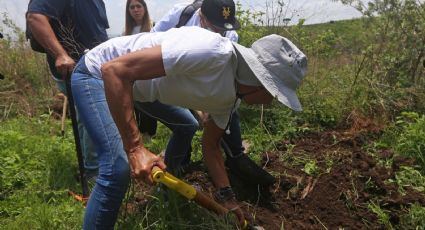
(199, 68)
(78, 24)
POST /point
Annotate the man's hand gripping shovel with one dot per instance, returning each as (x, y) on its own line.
(191, 193)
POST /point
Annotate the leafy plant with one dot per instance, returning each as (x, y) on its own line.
(26, 88)
(391, 63)
(311, 168)
(411, 141)
(383, 216)
(409, 177)
(414, 219)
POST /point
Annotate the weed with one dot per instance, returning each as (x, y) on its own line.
(311, 168)
(382, 215)
(414, 218)
(409, 177)
(411, 141)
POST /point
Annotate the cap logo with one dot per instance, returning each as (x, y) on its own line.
(226, 12)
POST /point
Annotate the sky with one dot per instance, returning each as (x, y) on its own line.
(314, 11)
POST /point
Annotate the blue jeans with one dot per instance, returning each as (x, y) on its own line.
(114, 171)
(89, 154)
(183, 126)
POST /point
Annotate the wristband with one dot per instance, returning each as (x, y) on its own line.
(224, 194)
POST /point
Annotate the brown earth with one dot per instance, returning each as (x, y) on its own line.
(336, 196)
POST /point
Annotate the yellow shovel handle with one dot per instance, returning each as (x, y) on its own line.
(188, 191)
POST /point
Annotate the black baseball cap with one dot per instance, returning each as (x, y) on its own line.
(221, 13)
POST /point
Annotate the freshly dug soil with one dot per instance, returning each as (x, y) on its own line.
(335, 195)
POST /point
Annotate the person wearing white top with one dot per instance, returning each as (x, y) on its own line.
(206, 71)
(207, 16)
(137, 18)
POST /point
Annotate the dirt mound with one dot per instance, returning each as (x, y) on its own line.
(345, 180)
(338, 195)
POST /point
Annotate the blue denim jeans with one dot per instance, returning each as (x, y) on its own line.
(89, 154)
(114, 172)
(183, 126)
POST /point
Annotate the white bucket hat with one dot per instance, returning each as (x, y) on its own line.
(277, 63)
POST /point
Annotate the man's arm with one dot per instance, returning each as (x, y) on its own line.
(119, 76)
(44, 34)
(213, 159)
(212, 153)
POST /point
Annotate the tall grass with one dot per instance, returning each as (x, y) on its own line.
(27, 88)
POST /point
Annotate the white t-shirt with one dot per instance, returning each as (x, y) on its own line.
(200, 69)
(136, 29)
(171, 19)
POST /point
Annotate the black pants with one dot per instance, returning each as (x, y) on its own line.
(146, 123)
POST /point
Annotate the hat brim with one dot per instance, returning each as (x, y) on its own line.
(227, 26)
(274, 85)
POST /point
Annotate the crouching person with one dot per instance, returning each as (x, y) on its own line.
(188, 67)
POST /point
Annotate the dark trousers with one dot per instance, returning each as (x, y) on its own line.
(232, 142)
(146, 123)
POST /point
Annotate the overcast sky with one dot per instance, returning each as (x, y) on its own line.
(314, 11)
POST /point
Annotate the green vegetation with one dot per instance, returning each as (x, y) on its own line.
(370, 66)
(37, 168)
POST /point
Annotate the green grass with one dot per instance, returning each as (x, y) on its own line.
(37, 168)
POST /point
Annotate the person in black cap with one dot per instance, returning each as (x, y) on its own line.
(217, 16)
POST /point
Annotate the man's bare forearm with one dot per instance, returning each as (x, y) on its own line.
(119, 76)
(119, 94)
(212, 154)
(44, 34)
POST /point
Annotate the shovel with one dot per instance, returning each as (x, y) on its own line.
(191, 193)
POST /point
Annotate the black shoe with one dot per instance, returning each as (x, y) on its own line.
(248, 171)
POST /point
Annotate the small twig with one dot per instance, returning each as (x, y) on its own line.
(320, 222)
(64, 107)
(278, 185)
(274, 145)
(10, 92)
(309, 188)
(262, 114)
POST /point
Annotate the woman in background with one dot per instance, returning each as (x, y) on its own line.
(137, 17)
(137, 20)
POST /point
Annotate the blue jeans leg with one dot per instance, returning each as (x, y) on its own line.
(89, 153)
(183, 126)
(232, 142)
(114, 172)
